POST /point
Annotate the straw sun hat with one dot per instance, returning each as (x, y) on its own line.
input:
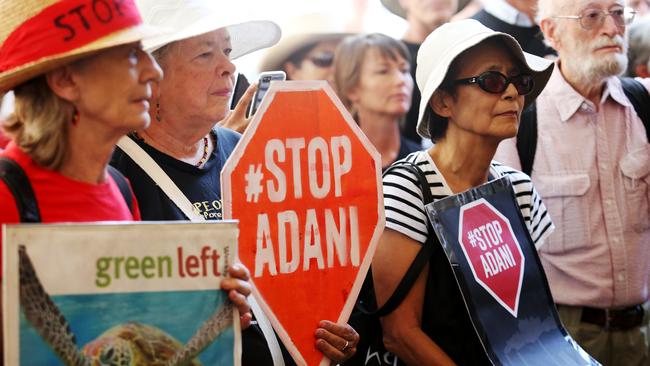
(394, 7)
(443, 45)
(299, 32)
(190, 18)
(37, 36)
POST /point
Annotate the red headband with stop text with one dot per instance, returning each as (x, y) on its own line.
(65, 26)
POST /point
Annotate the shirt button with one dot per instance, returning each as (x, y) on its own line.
(621, 276)
(616, 241)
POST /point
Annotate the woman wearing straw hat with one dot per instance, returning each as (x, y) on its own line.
(62, 60)
(174, 165)
(306, 50)
(373, 80)
(475, 83)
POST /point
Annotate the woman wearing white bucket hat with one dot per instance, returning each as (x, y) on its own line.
(184, 150)
(69, 113)
(475, 83)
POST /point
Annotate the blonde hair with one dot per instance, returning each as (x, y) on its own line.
(349, 57)
(39, 124)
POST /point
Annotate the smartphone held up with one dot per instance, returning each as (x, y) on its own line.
(263, 84)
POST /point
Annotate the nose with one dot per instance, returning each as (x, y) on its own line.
(510, 92)
(225, 67)
(150, 70)
(610, 28)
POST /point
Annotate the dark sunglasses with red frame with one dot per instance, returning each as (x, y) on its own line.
(496, 83)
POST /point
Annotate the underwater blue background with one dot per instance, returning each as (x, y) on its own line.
(179, 314)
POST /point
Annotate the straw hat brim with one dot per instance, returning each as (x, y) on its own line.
(246, 37)
(275, 57)
(16, 76)
(540, 68)
(394, 7)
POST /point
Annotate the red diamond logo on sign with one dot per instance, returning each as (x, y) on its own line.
(493, 252)
(305, 184)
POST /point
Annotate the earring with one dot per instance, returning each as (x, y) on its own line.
(75, 117)
(158, 110)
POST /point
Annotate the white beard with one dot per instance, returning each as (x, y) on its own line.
(590, 68)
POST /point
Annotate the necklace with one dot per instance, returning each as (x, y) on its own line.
(204, 158)
(206, 148)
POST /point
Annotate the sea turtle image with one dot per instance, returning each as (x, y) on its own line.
(128, 344)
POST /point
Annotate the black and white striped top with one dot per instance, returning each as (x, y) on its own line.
(405, 208)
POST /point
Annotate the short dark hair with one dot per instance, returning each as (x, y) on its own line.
(438, 124)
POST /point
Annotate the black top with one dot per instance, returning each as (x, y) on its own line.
(410, 122)
(406, 147)
(531, 39)
(202, 186)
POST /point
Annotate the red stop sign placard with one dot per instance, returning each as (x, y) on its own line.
(305, 184)
(493, 252)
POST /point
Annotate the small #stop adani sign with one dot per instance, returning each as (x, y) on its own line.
(305, 184)
(493, 252)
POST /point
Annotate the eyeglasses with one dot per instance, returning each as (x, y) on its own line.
(496, 83)
(594, 18)
(323, 59)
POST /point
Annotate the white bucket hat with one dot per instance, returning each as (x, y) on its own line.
(443, 45)
(190, 18)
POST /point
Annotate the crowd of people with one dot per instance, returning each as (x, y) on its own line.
(449, 96)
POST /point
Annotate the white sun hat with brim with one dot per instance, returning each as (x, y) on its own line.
(396, 8)
(190, 18)
(447, 42)
(37, 36)
(299, 32)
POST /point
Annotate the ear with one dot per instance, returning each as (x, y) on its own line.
(291, 69)
(642, 71)
(353, 94)
(440, 103)
(549, 28)
(62, 83)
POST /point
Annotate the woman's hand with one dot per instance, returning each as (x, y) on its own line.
(338, 342)
(238, 289)
(236, 120)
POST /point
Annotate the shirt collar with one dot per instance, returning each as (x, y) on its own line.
(509, 14)
(568, 101)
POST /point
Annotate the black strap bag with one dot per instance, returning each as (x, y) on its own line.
(444, 319)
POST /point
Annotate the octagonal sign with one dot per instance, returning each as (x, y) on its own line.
(305, 184)
(493, 252)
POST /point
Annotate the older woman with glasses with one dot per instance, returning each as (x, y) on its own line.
(473, 95)
(185, 149)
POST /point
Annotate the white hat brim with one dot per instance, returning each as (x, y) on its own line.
(245, 37)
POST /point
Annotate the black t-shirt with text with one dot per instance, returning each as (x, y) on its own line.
(202, 186)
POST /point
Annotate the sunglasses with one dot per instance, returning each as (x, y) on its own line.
(496, 83)
(323, 59)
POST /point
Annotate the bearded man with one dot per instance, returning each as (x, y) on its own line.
(592, 169)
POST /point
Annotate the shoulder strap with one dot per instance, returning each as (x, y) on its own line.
(424, 253)
(527, 139)
(640, 99)
(123, 186)
(16, 179)
(155, 172)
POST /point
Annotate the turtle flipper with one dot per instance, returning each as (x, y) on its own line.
(219, 321)
(44, 316)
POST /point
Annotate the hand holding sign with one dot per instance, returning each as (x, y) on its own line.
(305, 173)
